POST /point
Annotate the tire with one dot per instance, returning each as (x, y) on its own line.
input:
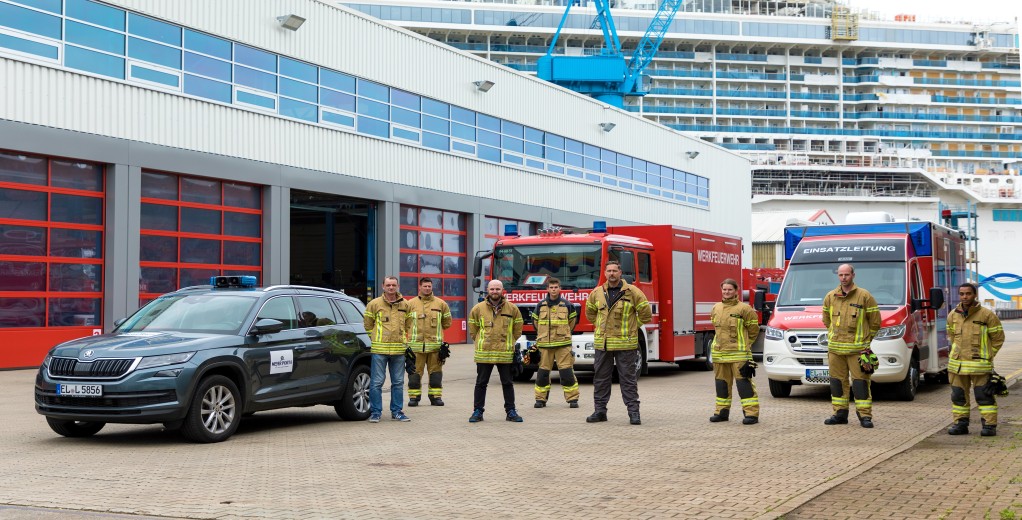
(906, 389)
(525, 376)
(215, 411)
(641, 366)
(74, 428)
(354, 405)
(706, 364)
(780, 388)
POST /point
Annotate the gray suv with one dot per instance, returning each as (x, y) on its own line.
(200, 358)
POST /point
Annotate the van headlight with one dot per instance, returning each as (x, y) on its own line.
(894, 332)
(169, 359)
(772, 333)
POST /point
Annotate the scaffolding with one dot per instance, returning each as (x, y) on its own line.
(844, 24)
(964, 218)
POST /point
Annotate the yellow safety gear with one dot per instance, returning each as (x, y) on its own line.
(616, 324)
(851, 319)
(736, 328)
(388, 325)
(495, 330)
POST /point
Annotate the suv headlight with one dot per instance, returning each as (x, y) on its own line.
(894, 332)
(772, 333)
(169, 359)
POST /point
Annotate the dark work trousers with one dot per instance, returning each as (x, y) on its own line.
(483, 372)
(603, 368)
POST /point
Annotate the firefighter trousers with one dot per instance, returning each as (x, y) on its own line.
(547, 357)
(726, 375)
(603, 373)
(841, 366)
(961, 384)
(426, 361)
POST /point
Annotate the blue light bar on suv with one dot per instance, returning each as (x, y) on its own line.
(222, 282)
(921, 234)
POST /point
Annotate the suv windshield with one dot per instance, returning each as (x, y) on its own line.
(527, 267)
(216, 313)
(807, 284)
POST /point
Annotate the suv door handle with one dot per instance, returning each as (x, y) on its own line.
(300, 348)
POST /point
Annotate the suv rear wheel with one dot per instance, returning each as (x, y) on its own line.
(215, 411)
(354, 405)
(74, 428)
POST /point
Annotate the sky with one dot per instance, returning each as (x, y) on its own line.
(982, 10)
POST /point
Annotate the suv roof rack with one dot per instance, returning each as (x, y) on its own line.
(190, 287)
(303, 287)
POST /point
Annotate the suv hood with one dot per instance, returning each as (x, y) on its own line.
(135, 344)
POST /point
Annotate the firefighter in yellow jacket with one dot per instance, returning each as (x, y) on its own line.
(736, 327)
(432, 318)
(616, 309)
(852, 318)
(976, 335)
(388, 320)
(554, 318)
(495, 325)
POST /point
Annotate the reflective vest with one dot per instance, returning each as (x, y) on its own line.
(388, 325)
(495, 329)
(736, 328)
(616, 324)
(975, 335)
(553, 323)
(851, 319)
(431, 317)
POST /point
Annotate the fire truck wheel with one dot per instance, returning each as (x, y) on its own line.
(707, 362)
(780, 388)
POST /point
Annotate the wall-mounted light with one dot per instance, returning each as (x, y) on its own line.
(692, 155)
(607, 126)
(291, 22)
(483, 85)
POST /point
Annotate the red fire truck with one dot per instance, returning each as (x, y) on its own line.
(678, 269)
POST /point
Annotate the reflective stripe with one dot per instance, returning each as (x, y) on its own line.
(723, 401)
(751, 401)
(960, 409)
(958, 366)
(571, 388)
(414, 392)
(863, 403)
(988, 409)
(839, 401)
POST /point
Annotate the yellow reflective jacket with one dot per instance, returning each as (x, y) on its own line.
(736, 328)
(495, 330)
(388, 325)
(432, 316)
(851, 319)
(553, 322)
(976, 335)
(616, 324)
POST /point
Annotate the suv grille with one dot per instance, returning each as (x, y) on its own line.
(101, 368)
(808, 341)
(107, 401)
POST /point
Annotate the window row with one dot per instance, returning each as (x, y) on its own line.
(50, 312)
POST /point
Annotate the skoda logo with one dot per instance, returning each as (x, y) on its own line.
(88, 354)
(822, 339)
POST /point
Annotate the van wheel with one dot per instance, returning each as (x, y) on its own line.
(74, 428)
(354, 405)
(780, 388)
(525, 376)
(906, 389)
(215, 411)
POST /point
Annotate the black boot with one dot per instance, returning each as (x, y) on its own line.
(960, 427)
(597, 417)
(721, 416)
(540, 404)
(435, 401)
(839, 417)
(633, 418)
(750, 419)
(989, 430)
(572, 404)
(413, 402)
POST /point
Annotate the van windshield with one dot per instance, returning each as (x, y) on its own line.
(807, 284)
(577, 266)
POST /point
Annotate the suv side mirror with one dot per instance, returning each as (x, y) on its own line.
(267, 326)
(759, 299)
(936, 298)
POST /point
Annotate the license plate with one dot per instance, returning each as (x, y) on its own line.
(817, 373)
(588, 356)
(80, 390)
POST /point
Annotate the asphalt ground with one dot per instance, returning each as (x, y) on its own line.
(306, 463)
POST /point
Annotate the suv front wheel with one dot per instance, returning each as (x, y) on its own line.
(215, 411)
(354, 405)
(74, 428)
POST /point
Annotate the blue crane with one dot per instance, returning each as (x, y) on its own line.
(608, 76)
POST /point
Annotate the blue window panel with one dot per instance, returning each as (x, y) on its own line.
(462, 115)
(154, 53)
(90, 36)
(591, 151)
(299, 110)
(592, 177)
(652, 169)
(297, 89)
(534, 164)
(703, 182)
(337, 81)
(639, 165)
(638, 176)
(339, 119)
(591, 164)
(405, 117)
(704, 203)
(554, 141)
(436, 108)
(574, 173)
(607, 155)
(405, 99)
(531, 134)
(640, 189)
(667, 182)
(488, 122)
(513, 159)
(255, 58)
(52, 6)
(29, 47)
(299, 70)
(489, 138)
(703, 192)
(93, 12)
(653, 180)
(680, 197)
(372, 108)
(624, 160)
(512, 144)
(467, 133)
(624, 173)
(206, 44)
(573, 146)
(572, 159)
(533, 149)
(257, 100)
(609, 181)
(555, 154)
(654, 191)
(512, 129)
(91, 61)
(155, 76)
(462, 147)
(373, 90)
(437, 142)
(608, 168)
(555, 168)
(435, 124)
(401, 133)
(29, 21)
(255, 79)
(489, 153)
(370, 126)
(332, 98)
(211, 67)
(625, 185)
(154, 29)
(207, 88)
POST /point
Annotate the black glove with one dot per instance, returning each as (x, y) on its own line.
(445, 352)
(409, 361)
(868, 361)
(531, 356)
(517, 367)
(996, 385)
(748, 370)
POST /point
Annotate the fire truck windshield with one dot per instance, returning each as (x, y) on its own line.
(807, 284)
(577, 266)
